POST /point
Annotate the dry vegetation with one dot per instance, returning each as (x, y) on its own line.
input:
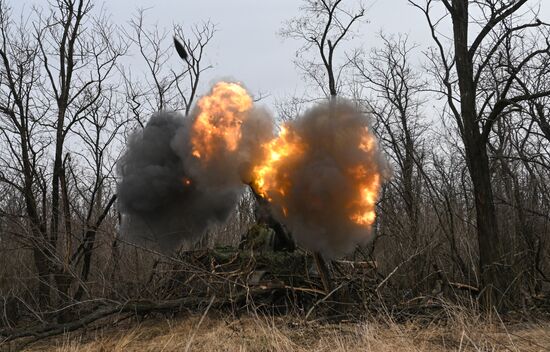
(464, 219)
(267, 333)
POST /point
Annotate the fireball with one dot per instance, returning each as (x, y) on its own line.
(275, 175)
(364, 203)
(218, 123)
(267, 178)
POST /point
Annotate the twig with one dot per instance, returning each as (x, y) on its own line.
(323, 299)
(199, 324)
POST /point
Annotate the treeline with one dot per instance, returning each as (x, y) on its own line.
(466, 214)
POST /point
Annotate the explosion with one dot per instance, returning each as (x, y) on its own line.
(368, 186)
(220, 118)
(179, 174)
(278, 152)
(322, 175)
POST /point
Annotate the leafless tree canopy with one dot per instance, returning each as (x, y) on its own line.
(322, 28)
(64, 121)
(464, 217)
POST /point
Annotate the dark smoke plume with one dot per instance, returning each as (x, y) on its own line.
(321, 175)
(166, 194)
(158, 198)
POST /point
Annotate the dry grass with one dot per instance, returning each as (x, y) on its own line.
(216, 333)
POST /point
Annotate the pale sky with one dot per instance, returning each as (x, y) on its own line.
(247, 46)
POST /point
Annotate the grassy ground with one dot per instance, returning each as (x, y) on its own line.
(215, 333)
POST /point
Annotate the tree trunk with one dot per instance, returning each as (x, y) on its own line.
(41, 264)
(491, 252)
(57, 170)
(408, 181)
(542, 121)
(494, 280)
(38, 228)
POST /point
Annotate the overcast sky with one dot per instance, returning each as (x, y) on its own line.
(247, 46)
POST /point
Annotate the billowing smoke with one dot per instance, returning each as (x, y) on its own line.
(181, 174)
(322, 175)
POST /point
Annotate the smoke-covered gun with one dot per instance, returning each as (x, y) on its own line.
(263, 214)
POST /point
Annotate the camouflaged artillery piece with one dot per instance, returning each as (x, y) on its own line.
(258, 273)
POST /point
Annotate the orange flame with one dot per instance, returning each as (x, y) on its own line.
(219, 120)
(272, 182)
(368, 184)
(186, 181)
(266, 180)
(363, 206)
(367, 141)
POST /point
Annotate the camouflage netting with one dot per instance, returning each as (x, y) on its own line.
(257, 274)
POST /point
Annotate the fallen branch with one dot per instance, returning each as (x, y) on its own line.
(465, 287)
(134, 307)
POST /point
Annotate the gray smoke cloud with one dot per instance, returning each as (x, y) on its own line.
(320, 187)
(321, 175)
(166, 194)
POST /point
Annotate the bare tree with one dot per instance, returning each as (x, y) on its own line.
(322, 28)
(54, 76)
(533, 78)
(396, 102)
(168, 85)
(461, 69)
(392, 90)
(195, 47)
